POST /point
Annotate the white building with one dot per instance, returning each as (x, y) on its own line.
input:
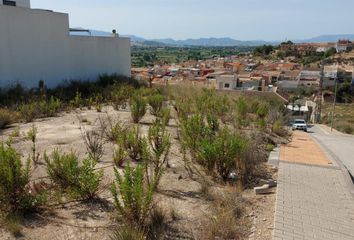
(36, 45)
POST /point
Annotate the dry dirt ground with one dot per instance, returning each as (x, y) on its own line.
(178, 194)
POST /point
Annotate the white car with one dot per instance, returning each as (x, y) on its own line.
(299, 124)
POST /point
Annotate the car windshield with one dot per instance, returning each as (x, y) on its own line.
(300, 121)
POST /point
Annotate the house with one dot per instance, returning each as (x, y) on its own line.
(36, 45)
(226, 82)
(324, 47)
(343, 45)
(330, 75)
(234, 67)
(309, 78)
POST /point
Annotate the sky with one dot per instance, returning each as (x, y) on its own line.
(239, 19)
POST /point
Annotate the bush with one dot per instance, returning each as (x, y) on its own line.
(159, 144)
(65, 171)
(223, 154)
(120, 156)
(270, 147)
(133, 196)
(28, 112)
(6, 117)
(155, 101)
(137, 107)
(89, 180)
(241, 111)
(113, 129)
(49, 108)
(133, 144)
(15, 193)
(94, 142)
(164, 115)
(120, 96)
(32, 136)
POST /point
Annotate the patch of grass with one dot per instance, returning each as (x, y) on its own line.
(229, 220)
(343, 119)
(127, 232)
(270, 147)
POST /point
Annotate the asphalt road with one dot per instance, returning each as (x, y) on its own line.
(340, 146)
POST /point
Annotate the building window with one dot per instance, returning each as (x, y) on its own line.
(9, 3)
(227, 85)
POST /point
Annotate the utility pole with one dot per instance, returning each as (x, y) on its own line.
(319, 114)
(334, 103)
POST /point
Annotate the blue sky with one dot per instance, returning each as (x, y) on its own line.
(239, 19)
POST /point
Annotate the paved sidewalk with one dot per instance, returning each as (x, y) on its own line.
(302, 149)
(313, 199)
(313, 203)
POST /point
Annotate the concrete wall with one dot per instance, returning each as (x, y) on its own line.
(20, 3)
(36, 45)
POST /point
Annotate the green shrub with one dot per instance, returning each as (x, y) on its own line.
(77, 102)
(120, 96)
(155, 101)
(89, 179)
(270, 147)
(159, 144)
(6, 117)
(133, 144)
(49, 108)
(120, 156)
(164, 115)
(114, 130)
(65, 171)
(223, 154)
(193, 131)
(241, 111)
(28, 112)
(262, 110)
(133, 196)
(15, 192)
(137, 107)
(32, 136)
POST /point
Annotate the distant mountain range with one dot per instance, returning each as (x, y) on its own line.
(214, 42)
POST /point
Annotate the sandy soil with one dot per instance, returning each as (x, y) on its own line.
(178, 193)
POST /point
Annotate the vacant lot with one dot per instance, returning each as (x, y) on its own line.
(343, 118)
(157, 165)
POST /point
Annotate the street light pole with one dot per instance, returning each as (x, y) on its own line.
(334, 103)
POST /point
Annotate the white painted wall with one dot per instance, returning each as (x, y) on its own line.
(36, 45)
(20, 3)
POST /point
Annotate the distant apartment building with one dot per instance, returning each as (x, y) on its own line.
(36, 45)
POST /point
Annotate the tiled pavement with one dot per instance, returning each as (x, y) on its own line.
(313, 202)
(314, 199)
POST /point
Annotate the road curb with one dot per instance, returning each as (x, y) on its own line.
(274, 156)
